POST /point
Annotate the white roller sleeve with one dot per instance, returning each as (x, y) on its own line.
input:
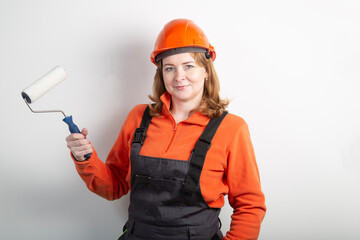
(44, 84)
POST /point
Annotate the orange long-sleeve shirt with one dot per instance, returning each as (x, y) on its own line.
(230, 167)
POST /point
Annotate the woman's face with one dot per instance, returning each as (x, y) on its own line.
(184, 78)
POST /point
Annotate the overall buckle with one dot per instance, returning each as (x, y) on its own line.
(139, 136)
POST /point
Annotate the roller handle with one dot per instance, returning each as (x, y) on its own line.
(73, 129)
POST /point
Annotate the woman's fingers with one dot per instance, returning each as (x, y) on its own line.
(79, 145)
(84, 132)
(81, 151)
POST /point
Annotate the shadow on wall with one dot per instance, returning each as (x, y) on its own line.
(129, 78)
(136, 73)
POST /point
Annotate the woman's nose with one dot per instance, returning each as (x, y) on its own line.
(180, 75)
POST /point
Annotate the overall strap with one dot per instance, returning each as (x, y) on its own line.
(140, 133)
(199, 153)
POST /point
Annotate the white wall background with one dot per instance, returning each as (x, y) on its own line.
(291, 68)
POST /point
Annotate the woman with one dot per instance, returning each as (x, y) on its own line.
(182, 154)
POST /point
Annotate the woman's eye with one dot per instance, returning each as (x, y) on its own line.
(169, 69)
(189, 66)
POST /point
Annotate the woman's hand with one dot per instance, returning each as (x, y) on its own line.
(79, 145)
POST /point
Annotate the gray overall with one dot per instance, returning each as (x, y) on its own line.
(165, 200)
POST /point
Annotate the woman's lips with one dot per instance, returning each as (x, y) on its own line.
(181, 87)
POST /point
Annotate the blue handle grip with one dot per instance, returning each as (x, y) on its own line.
(74, 129)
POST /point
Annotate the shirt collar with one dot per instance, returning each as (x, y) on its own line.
(195, 118)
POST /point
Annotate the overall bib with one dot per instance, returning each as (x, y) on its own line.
(165, 200)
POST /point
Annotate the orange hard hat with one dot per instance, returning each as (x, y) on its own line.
(178, 36)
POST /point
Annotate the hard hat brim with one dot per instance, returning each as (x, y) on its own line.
(174, 51)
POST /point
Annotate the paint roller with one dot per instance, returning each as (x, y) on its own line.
(42, 86)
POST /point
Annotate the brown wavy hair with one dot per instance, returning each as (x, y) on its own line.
(212, 105)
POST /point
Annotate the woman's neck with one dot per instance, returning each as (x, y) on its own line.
(181, 110)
